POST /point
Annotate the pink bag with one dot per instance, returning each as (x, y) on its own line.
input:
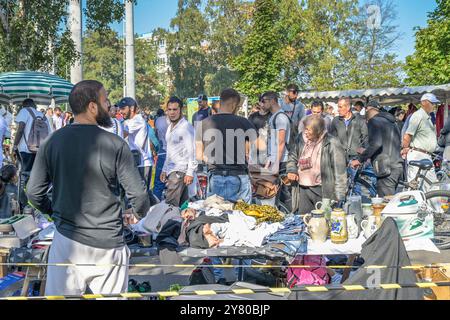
(308, 276)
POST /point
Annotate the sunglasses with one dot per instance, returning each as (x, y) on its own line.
(293, 91)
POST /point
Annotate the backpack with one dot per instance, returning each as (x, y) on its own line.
(38, 133)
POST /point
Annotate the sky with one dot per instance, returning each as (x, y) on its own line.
(152, 14)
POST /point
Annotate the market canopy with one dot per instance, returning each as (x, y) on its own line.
(41, 87)
(386, 96)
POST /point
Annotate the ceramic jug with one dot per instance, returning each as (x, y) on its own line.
(352, 227)
(317, 225)
(370, 226)
(325, 205)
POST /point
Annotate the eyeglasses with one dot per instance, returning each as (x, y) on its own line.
(293, 91)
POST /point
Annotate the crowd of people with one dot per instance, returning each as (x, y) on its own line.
(98, 161)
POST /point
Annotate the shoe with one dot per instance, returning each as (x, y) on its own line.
(132, 285)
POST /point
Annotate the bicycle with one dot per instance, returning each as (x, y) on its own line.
(437, 201)
(363, 180)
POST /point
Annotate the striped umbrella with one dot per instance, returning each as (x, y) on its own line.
(41, 87)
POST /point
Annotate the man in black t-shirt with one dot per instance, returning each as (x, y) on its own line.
(223, 142)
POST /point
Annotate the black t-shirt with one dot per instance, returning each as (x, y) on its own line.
(224, 137)
(258, 120)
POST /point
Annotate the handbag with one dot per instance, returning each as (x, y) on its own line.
(264, 186)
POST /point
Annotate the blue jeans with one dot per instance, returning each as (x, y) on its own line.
(231, 188)
(159, 185)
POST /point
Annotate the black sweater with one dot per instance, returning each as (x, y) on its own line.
(85, 165)
(384, 138)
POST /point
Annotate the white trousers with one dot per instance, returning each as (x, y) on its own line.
(431, 175)
(412, 170)
(75, 280)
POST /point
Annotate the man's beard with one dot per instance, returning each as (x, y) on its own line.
(104, 119)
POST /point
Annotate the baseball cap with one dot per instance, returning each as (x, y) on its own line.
(430, 97)
(202, 97)
(130, 102)
(373, 104)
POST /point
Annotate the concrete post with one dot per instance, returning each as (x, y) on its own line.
(129, 50)
(75, 21)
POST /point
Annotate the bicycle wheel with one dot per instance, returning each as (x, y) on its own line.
(441, 217)
(365, 190)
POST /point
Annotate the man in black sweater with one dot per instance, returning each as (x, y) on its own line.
(383, 150)
(86, 165)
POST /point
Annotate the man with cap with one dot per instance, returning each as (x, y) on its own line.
(383, 149)
(136, 130)
(420, 140)
(203, 110)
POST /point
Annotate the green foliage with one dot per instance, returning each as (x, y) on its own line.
(260, 63)
(32, 35)
(103, 60)
(100, 13)
(187, 52)
(430, 63)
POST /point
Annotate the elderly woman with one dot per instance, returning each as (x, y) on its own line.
(317, 162)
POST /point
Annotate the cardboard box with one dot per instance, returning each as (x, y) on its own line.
(25, 227)
(12, 241)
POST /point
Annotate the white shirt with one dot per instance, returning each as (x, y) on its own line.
(137, 133)
(116, 128)
(8, 118)
(180, 149)
(25, 117)
(3, 129)
(57, 122)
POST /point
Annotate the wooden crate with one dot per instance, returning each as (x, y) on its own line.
(436, 275)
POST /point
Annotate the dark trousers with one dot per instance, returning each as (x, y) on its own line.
(285, 195)
(177, 192)
(159, 185)
(308, 197)
(388, 186)
(146, 175)
(27, 161)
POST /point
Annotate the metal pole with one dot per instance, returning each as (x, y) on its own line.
(76, 71)
(129, 49)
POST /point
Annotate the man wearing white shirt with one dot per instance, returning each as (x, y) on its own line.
(57, 119)
(24, 120)
(135, 129)
(117, 127)
(180, 164)
(8, 118)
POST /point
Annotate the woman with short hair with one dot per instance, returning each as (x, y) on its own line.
(317, 162)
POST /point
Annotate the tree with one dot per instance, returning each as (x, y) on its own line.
(187, 49)
(32, 36)
(260, 63)
(430, 63)
(103, 60)
(371, 62)
(228, 26)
